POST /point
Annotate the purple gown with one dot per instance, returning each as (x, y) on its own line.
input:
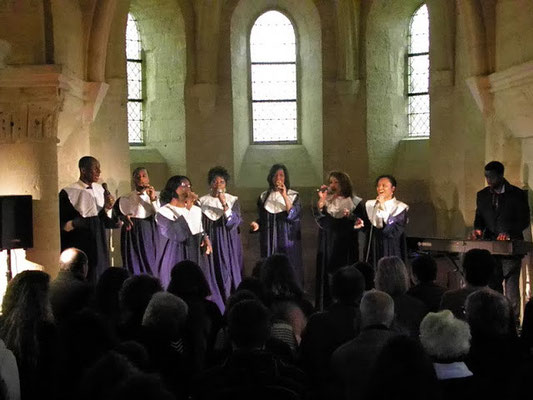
(386, 235)
(279, 230)
(138, 245)
(223, 230)
(181, 233)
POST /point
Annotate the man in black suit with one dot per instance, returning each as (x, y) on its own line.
(502, 213)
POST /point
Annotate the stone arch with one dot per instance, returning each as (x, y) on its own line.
(305, 159)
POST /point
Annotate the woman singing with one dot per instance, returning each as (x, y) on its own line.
(388, 218)
(279, 220)
(221, 219)
(338, 211)
(179, 223)
(138, 235)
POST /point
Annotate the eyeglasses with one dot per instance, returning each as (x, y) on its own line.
(185, 185)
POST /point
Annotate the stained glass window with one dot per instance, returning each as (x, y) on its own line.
(134, 66)
(418, 74)
(273, 79)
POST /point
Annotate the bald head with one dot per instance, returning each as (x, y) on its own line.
(75, 261)
(377, 308)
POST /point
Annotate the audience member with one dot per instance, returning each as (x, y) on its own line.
(527, 325)
(426, 290)
(478, 267)
(106, 296)
(392, 278)
(328, 330)
(368, 272)
(9, 374)
(28, 330)
(353, 362)
(446, 340)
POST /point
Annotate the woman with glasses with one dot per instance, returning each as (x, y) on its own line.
(179, 222)
(221, 215)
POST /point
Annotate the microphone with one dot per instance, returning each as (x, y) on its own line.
(221, 191)
(106, 190)
(325, 189)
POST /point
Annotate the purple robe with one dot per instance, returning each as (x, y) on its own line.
(180, 239)
(389, 239)
(223, 230)
(279, 232)
(139, 244)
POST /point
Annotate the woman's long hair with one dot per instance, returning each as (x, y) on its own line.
(169, 192)
(278, 277)
(344, 181)
(275, 168)
(25, 307)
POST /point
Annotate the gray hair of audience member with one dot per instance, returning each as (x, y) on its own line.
(445, 337)
(166, 313)
(377, 308)
(488, 313)
(392, 276)
(74, 260)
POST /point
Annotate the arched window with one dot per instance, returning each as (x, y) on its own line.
(135, 83)
(418, 74)
(273, 79)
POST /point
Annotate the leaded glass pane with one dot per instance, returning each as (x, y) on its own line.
(272, 39)
(275, 122)
(135, 122)
(419, 74)
(134, 80)
(419, 115)
(419, 31)
(133, 40)
(273, 81)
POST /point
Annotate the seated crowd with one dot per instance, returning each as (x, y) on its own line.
(386, 335)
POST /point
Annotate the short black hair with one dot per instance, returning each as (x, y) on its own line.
(391, 179)
(217, 171)
(495, 166)
(478, 265)
(348, 285)
(275, 168)
(249, 324)
(86, 162)
(368, 272)
(425, 268)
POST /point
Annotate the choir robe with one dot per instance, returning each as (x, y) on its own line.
(139, 244)
(85, 208)
(279, 230)
(223, 230)
(386, 236)
(337, 242)
(181, 234)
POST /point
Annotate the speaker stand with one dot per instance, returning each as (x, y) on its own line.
(9, 270)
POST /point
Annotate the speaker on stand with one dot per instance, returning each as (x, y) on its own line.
(16, 226)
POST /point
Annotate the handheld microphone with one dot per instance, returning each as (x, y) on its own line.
(106, 190)
(221, 191)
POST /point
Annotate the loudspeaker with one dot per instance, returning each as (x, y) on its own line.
(16, 222)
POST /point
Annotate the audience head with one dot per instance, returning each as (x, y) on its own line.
(238, 296)
(377, 308)
(444, 337)
(141, 386)
(75, 261)
(488, 313)
(479, 266)
(278, 172)
(368, 272)
(171, 188)
(391, 276)
(278, 277)
(136, 294)
(187, 280)
(253, 285)
(256, 271)
(347, 285)
(165, 313)
(107, 290)
(403, 370)
(249, 324)
(424, 268)
(343, 185)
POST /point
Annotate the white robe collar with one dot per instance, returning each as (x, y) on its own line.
(275, 204)
(193, 217)
(138, 205)
(88, 202)
(379, 215)
(212, 207)
(336, 207)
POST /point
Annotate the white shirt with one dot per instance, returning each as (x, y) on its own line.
(380, 214)
(193, 217)
(88, 202)
(336, 207)
(275, 202)
(212, 207)
(138, 205)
